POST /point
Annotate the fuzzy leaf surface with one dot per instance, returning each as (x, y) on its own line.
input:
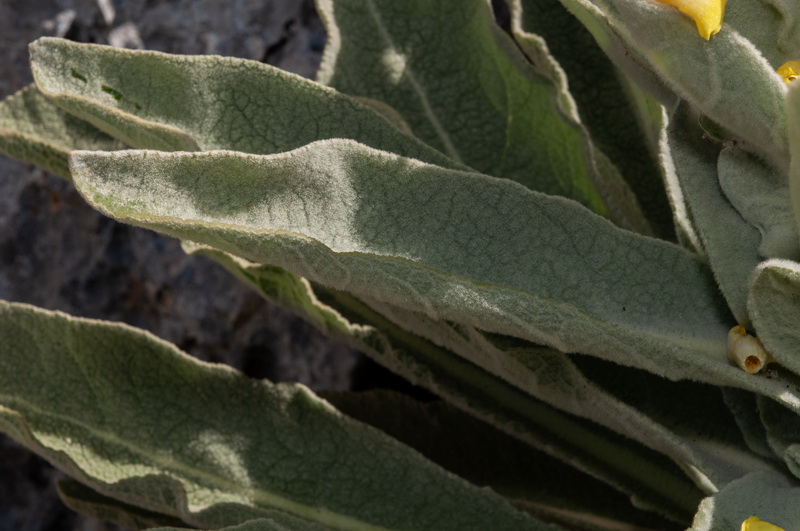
(729, 241)
(726, 78)
(774, 304)
(453, 245)
(466, 370)
(33, 129)
(189, 103)
(550, 35)
(476, 99)
(201, 457)
(761, 196)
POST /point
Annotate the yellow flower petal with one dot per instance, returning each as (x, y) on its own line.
(789, 71)
(707, 14)
(754, 523)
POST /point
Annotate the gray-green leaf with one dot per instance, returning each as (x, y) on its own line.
(477, 98)
(725, 78)
(139, 421)
(774, 304)
(33, 129)
(729, 241)
(188, 103)
(453, 245)
(761, 196)
(610, 106)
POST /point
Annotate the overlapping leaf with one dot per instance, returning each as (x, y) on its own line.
(487, 456)
(33, 129)
(453, 245)
(424, 237)
(650, 479)
(202, 457)
(726, 78)
(544, 28)
(713, 455)
(761, 196)
(774, 305)
(476, 99)
(729, 241)
(171, 102)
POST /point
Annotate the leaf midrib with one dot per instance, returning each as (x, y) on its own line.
(408, 71)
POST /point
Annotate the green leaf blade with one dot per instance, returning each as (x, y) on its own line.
(429, 239)
(202, 458)
(190, 103)
(725, 78)
(774, 303)
(34, 130)
(610, 106)
(729, 241)
(477, 99)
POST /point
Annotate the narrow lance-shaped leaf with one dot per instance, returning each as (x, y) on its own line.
(651, 480)
(447, 372)
(486, 456)
(729, 241)
(477, 98)
(173, 102)
(202, 458)
(554, 378)
(33, 129)
(459, 246)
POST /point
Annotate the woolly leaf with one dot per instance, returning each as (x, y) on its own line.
(477, 99)
(202, 458)
(35, 130)
(436, 241)
(188, 103)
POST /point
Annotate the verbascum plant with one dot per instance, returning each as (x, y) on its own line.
(580, 232)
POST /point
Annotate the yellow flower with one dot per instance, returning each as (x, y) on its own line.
(754, 523)
(789, 71)
(707, 14)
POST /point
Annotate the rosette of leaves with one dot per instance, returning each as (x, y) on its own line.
(551, 226)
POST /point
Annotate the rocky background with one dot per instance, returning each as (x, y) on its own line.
(57, 253)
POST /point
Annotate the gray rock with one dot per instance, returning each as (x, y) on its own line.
(58, 253)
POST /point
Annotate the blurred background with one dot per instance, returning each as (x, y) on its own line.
(58, 253)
